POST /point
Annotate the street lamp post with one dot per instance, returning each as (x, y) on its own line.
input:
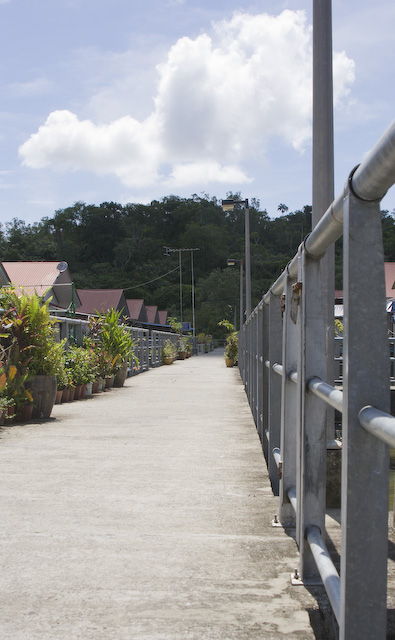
(229, 205)
(231, 262)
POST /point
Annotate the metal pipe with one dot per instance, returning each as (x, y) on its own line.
(277, 456)
(279, 463)
(330, 395)
(376, 174)
(292, 498)
(248, 259)
(380, 424)
(325, 566)
(370, 181)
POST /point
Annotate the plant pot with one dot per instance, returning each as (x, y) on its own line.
(77, 391)
(59, 395)
(72, 393)
(121, 375)
(2, 416)
(229, 362)
(66, 395)
(96, 387)
(25, 413)
(83, 391)
(168, 360)
(43, 389)
(10, 413)
(109, 382)
(88, 389)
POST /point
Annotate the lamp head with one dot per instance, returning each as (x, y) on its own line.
(228, 205)
(231, 262)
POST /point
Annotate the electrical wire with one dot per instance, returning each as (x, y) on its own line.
(154, 280)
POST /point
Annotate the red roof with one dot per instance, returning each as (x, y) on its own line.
(136, 309)
(101, 300)
(41, 277)
(162, 317)
(32, 276)
(152, 314)
(389, 268)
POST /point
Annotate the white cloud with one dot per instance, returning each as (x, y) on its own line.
(220, 99)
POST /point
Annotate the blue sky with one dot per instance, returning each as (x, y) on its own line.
(130, 101)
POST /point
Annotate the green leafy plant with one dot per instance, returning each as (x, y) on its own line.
(175, 325)
(113, 340)
(77, 364)
(168, 350)
(231, 348)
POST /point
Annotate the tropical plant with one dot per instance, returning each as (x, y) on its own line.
(168, 350)
(28, 331)
(231, 348)
(113, 339)
(77, 364)
(175, 325)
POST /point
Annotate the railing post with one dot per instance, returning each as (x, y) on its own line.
(288, 409)
(312, 362)
(266, 341)
(365, 459)
(274, 382)
(259, 393)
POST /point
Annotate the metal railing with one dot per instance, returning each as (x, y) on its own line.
(148, 344)
(283, 364)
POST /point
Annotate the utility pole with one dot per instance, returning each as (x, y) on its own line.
(169, 250)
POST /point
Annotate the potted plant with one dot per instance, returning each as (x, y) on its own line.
(168, 352)
(116, 343)
(33, 347)
(231, 348)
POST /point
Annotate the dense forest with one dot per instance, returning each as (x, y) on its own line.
(115, 246)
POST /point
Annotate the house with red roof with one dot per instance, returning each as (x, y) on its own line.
(136, 309)
(102, 300)
(49, 279)
(152, 314)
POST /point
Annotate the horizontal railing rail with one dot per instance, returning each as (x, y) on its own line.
(147, 351)
(297, 399)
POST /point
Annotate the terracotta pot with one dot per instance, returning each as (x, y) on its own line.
(77, 391)
(229, 362)
(59, 395)
(2, 416)
(121, 375)
(96, 387)
(25, 413)
(109, 382)
(83, 390)
(66, 395)
(43, 390)
(72, 393)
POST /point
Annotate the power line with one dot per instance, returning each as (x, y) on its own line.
(154, 280)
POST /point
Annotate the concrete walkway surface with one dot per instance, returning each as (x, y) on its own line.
(145, 513)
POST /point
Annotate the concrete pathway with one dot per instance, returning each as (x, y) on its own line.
(144, 514)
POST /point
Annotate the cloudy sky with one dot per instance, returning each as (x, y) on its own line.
(130, 101)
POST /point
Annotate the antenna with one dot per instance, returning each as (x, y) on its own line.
(62, 266)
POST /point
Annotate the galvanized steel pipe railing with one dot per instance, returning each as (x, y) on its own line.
(369, 181)
(327, 570)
